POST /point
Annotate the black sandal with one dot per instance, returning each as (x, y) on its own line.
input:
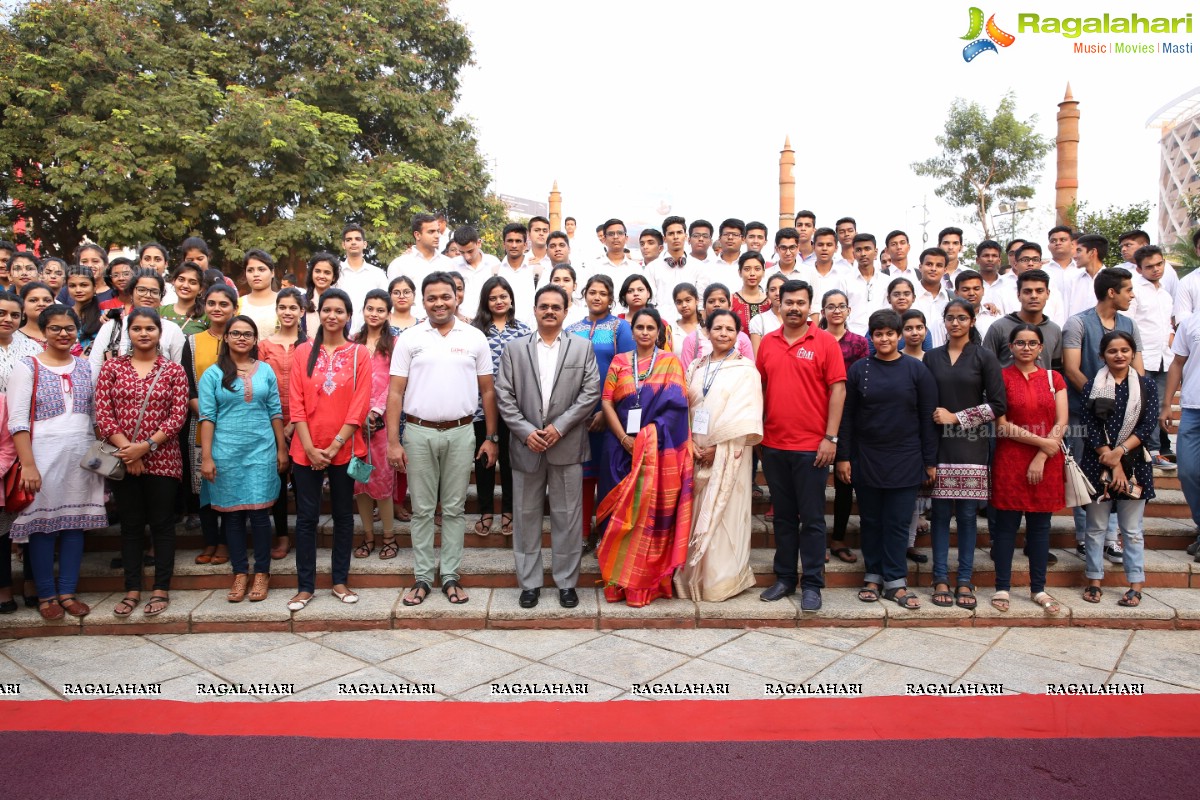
(1131, 599)
(459, 597)
(845, 554)
(908, 600)
(127, 606)
(423, 589)
(964, 596)
(942, 597)
(156, 610)
(365, 549)
(869, 593)
(1092, 594)
(390, 549)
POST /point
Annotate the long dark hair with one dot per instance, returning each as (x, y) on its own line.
(197, 309)
(330, 294)
(225, 361)
(386, 340)
(301, 300)
(89, 315)
(652, 313)
(335, 264)
(958, 302)
(824, 323)
(483, 317)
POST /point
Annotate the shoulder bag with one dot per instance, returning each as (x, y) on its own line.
(101, 457)
(358, 469)
(16, 499)
(1078, 489)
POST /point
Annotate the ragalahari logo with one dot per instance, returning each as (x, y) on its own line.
(995, 36)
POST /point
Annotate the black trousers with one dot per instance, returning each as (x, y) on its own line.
(280, 509)
(485, 479)
(147, 500)
(798, 498)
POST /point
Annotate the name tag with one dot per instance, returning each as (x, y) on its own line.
(633, 423)
(700, 422)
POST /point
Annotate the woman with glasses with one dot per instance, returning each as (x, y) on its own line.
(51, 421)
(113, 339)
(970, 395)
(835, 310)
(242, 453)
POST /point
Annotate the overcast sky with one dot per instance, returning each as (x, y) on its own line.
(634, 106)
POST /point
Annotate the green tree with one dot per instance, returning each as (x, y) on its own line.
(1110, 223)
(265, 123)
(986, 158)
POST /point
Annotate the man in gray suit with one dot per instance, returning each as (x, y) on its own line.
(546, 391)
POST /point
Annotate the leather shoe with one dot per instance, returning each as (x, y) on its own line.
(777, 591)
(810, 600)
(1193, 549)
(567, 598)
(529, 598)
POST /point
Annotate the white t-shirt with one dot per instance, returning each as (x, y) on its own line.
(443, 371)
(765, 323)
(414, 266)
(1187, 344)
(524, 287)
(356, 284)
(171, 342)
(473, 280)
(1151, 310)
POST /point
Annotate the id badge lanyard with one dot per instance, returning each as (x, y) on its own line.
(700, 418)
(633, 423)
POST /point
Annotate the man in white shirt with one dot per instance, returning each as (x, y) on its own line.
(1011, 254)
(518, 273)
(674, 266)
(931, 295)
(615, 263)
(441, 371)
(1079, 293)
(474, 265)
(1187, 294)
(1029, 256)
(558, 247)
(424, 257)
(444, 232)
(1062, 258)
(950, 240)
(700, 239)
(1151, 310)
(358, 276)
(1130, 241)
(866, 288)
(756, 240)
(650, 242)
(846, 229)
(537, 257)
(822, 274)
(787, 246)
(806, 226)
(1185, 376)
(969, 286)
(897, 247)
(987, 263)
(724, 268)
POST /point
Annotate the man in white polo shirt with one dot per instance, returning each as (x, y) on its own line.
(450, 367)
(424, 257)
(358, 275)
(474, 265)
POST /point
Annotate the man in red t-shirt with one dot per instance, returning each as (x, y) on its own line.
(804, 388)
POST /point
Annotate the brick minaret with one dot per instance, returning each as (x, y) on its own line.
(1066, 187)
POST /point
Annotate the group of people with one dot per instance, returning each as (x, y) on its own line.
(640, 420)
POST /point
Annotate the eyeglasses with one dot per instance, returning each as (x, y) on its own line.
(959, 320)
(146, 291)
(840, 307)
(702, 236)
(402, 293)
(555, 309)
(1030, 260)
(57, 329)
(787, 248)
(248, 335)
(614, 234)
(1024, 344)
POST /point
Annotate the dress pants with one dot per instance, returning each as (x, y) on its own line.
(798, 498)
(566, 515)
(147, 500)
(308, 508)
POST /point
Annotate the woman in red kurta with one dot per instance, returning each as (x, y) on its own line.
(330, 393)
(1027, 470)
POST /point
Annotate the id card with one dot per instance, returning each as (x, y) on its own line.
(700, 422)
(633, 423)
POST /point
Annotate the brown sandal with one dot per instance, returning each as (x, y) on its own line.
(73, 607)
(206, 556)
(237, 592)
(258, 591)
(365, 549)
(390, 549)
(158, 604)
(127, 606)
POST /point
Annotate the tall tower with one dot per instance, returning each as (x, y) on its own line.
(555, 208)
(1066, 187)
(787, 185)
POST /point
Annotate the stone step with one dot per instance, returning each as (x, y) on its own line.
(493, 567)
(207, 611)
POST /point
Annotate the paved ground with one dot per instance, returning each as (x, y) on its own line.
(495, 665)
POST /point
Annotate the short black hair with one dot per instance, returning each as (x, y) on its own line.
(674, 219)
(1094, 241)
(657, 234)
(795, 286)
(1144, 252)
(887, 240)
(859, 238)
(735, 223)
(515, 227)
(944, 232)
(988, 244)
(465, 234)
(966, 275)
(885, 319)
(1111, 278)
(699, 223)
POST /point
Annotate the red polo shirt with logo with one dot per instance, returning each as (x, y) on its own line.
(796, 380)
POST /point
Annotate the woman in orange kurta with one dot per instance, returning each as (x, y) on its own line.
(330, 393)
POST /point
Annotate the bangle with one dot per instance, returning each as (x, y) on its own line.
(339, 439)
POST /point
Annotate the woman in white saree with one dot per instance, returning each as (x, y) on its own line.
(725, 395)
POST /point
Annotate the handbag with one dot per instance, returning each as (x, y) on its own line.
(1078, 490)
(101, 457)
(16, 499)
(358, 469)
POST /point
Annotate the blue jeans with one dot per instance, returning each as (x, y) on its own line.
(1076, 445)
(260, 530)
(939, 530)
(1037, 544)
(41, 558)
(307, 482)
(798, 498)
(1129, 516)
(1187, 450)
(884, 515)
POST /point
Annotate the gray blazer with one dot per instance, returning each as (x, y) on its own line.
(572, 400)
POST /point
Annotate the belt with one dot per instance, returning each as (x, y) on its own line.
(439, 426)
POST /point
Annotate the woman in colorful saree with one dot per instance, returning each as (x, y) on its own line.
(649, 512)
(727, 419)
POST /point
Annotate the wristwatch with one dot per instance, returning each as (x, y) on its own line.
(153, 445)
(829, 438)
(491, 437)
(339, 439)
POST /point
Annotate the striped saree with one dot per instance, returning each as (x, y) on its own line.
(649, 511)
